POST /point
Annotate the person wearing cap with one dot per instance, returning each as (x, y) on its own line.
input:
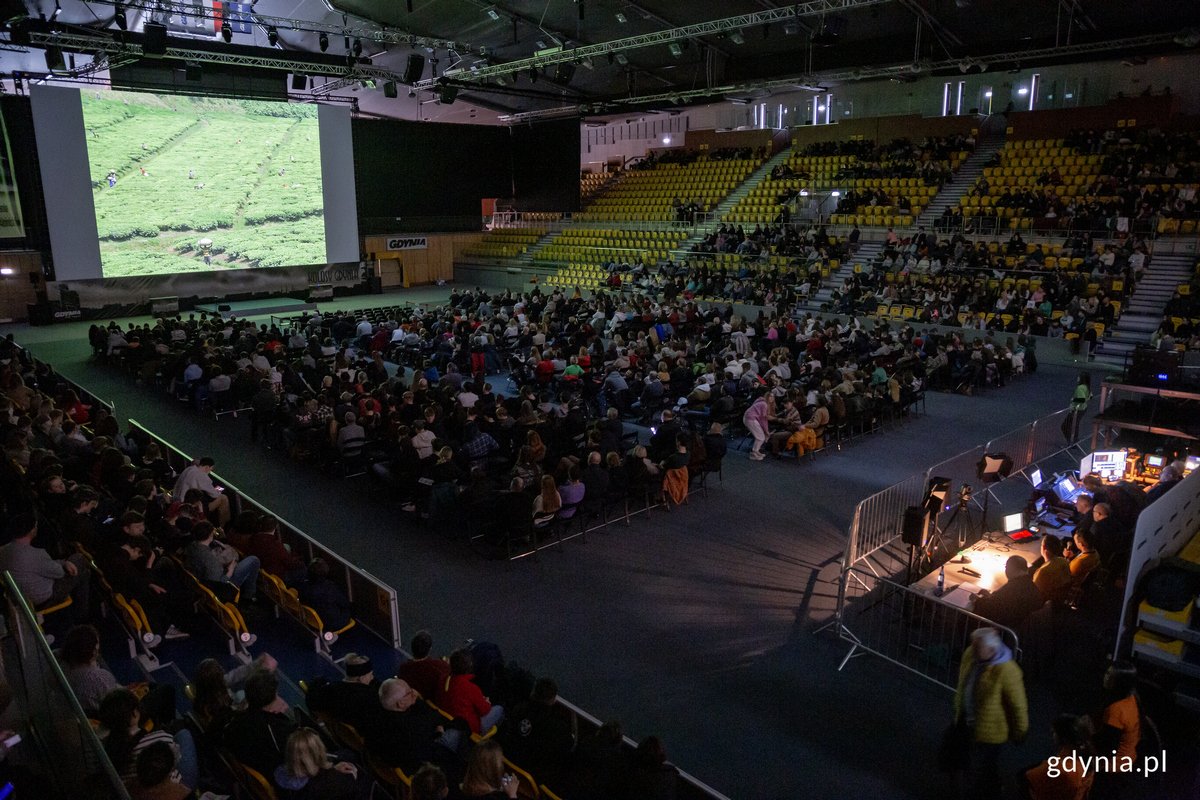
(350, 700)
(990, 707)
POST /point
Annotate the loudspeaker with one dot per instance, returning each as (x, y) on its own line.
(912, 532)
(193, 72)
(54, 59)
(447, 94)
(414, 69)
(389, 89)
(154, 42)
(299, 83)
(564, 73)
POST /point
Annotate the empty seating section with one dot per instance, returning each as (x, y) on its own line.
(585, 251)
(1039, 166)
(763, 204)
(505, 242)
(598, 246)
(592, 183)
(648, 195)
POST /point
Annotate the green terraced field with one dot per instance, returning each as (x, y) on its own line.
(244, 174)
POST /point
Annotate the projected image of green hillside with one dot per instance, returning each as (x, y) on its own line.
(186, 184)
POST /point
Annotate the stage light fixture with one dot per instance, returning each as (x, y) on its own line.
(323, 41)
(936, 492)
(621, 18)
(120, 18)
(494, 14)
(994, 467)
(737, 38)
(7, 271)
(226, 32)
(676, 49)
(272, 36)
(357, 50)
(622, 59)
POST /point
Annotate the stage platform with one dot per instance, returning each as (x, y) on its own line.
(269, 306)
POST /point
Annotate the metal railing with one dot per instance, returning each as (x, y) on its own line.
(373, 602)
(910, 629)
(58, 729)
(692, 788)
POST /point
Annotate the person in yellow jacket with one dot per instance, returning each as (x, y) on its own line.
(990, 703)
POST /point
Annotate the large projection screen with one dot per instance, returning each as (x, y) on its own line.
(146, 184)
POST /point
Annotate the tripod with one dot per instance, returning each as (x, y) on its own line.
(959, 526)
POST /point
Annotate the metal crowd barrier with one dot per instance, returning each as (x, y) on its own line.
(877, 519)
(921, 634)
(58, 730)
(374, 603)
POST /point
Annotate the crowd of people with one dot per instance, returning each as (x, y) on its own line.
(555, 442)
(101, 507)
(960, 282)
(1142, 179)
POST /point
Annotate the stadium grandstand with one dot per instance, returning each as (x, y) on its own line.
(599, 401)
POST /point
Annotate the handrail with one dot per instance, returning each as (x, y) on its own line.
(24, 621)
(595, 722)
(367, 610)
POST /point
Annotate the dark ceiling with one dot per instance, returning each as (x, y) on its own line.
(896, 32)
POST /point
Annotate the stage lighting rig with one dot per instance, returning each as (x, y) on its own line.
(272, 36)
(226, 32)
(323, 41)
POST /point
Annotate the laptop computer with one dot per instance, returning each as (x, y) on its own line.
(1014, 527)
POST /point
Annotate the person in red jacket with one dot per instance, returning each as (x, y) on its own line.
(462, 699)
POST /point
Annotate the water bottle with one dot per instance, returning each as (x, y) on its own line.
(941, 584)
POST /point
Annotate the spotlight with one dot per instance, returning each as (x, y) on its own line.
(412, 92)
(7, 271)
(272, 36)
(226, 32)
(666, 140)
(621, 18)
(622, 59)
(357, 48)
(737, 38)
(120, 18)
(323, 41)
(835, 193)
(964, 65)
(1024, 90)
(994, 467)
(494, 14)
(675, 49)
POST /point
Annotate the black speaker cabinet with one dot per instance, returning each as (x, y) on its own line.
(414, 69)
(913, 530)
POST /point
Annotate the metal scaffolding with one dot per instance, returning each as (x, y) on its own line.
(716, 26)
(810, 82)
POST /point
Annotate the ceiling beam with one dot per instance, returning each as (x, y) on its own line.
(648, 14)
(562, 37)
(944, 35)
(157, 9)
(845, 75)
(717, 26)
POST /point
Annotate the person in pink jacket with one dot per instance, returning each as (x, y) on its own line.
(755, 420)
